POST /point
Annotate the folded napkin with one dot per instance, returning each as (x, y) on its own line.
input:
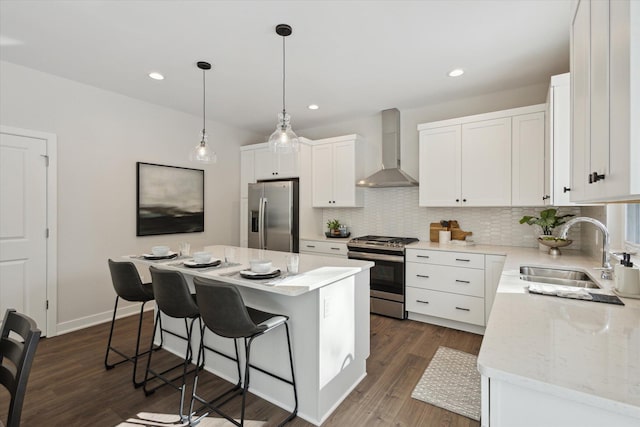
(560, 291)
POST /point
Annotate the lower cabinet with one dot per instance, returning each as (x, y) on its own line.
(453, 289)
(323, 247)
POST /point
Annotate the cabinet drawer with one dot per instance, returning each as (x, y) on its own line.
(464, 281)
(458, 259)
(461, 308)
(323, 247)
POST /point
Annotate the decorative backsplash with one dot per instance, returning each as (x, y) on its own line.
(395, 212)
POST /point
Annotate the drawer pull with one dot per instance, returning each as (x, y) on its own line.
(335, 249)
(422, 275)
(422, 256)
(310, 246)
(422, 302)
(462, 281)
(463, 309)
(462, 259)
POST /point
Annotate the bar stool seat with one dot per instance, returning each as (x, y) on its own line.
(224, 312)
(128, 286)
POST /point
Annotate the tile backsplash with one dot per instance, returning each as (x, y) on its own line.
(395, 212)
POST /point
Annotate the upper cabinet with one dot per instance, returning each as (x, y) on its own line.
(558, 146)
(605, 101)
(493, 159)
(336, 165)
(270, 165)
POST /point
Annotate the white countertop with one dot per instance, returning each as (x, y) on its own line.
(584, 351)
(323, 238)
(314, 271)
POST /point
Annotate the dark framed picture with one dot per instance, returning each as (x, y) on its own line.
(170, 199)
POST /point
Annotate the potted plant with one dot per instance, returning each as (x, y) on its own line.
(547, 221)
(334, 227)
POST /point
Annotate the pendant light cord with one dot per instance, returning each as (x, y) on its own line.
(283, 76)
(204, 104)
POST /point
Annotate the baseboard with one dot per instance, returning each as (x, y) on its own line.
(96, 319)
(461, 326)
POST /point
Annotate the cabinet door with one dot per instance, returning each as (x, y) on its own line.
(264, 166)
(561, 135)
(527, 160)
(344, 174)
(580, 129)
(286, 165)
(439, 164)
(486, 163)
(322, 175)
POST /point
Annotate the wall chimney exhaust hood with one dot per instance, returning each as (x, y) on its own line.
(390, 175)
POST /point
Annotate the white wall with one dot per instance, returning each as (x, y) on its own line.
(101, 136)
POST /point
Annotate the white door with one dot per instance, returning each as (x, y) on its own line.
(322, 175)
(439, 160)
(527, 161)
(344, 174)
(23, 224)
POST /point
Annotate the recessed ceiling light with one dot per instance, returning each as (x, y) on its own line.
(156, 76)
(456, 73)
(313, 107)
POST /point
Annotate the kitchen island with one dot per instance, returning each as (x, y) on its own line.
(549, 361)
(328, 306)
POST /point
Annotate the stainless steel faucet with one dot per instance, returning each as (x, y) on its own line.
(607, 270)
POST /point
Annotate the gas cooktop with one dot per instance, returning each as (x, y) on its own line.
(384, 241)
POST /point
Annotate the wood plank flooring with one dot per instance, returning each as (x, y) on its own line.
(69, 386)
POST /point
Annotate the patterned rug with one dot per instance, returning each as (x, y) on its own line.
(451, 381)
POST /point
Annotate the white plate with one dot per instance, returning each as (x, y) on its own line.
(213, 262)
(152, 256)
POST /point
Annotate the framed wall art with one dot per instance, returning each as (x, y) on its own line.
(170, 199)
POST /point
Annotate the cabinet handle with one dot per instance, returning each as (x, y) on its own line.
(422, 275)
(462, 281)
(595, 177)
(565, 189)
(336, 249)
(457, 200)
(464, 200)
(422, 302)
(463, 260)
(422, 256)
(546, 197)
(463, 309)
(310, 246)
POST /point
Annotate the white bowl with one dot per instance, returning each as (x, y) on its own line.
(260, 265)
(201, 257)
(160, 250)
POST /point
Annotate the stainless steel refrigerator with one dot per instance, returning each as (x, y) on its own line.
(273, 215)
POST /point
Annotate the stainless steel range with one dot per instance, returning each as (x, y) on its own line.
(387, 276)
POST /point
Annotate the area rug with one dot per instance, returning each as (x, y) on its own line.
(150, 419)
(451, 381)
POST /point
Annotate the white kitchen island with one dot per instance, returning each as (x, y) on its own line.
(328, 306)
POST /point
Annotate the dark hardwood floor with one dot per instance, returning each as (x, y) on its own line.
(69, 386)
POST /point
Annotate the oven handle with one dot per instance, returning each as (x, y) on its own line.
(375, 257)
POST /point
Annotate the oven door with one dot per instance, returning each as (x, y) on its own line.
(386, 277)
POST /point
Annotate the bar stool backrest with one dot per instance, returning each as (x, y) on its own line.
(127, 283)
(223, 310)
(20, 354)
(172, 293)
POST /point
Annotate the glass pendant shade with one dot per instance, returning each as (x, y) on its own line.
(283, 140)
(202, 153)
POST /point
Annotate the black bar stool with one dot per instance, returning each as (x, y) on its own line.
(223, 311)
(128, 286)
(173, 299)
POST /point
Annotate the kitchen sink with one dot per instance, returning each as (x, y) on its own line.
(557, 276)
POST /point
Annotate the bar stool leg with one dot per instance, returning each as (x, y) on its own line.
(113, 321)
(293, 380)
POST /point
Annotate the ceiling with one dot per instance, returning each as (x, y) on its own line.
(352, 58)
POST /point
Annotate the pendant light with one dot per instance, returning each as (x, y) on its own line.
(283, 140)
(202, 153)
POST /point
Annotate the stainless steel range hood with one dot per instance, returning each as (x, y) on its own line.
(390, 175)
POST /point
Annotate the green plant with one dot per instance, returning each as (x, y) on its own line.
(548, 220)
(333, 224)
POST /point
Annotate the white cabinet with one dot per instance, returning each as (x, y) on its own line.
(527, 160)
(558, 146)
(323, 247)
(605, 140)
(337, 163)
(452, 289)
(468, 161)
(270, 165)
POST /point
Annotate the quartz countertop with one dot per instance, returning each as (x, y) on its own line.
(323, 238)
(314, 271)
(580, 350)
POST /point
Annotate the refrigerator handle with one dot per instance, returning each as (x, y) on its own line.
(262, 235)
